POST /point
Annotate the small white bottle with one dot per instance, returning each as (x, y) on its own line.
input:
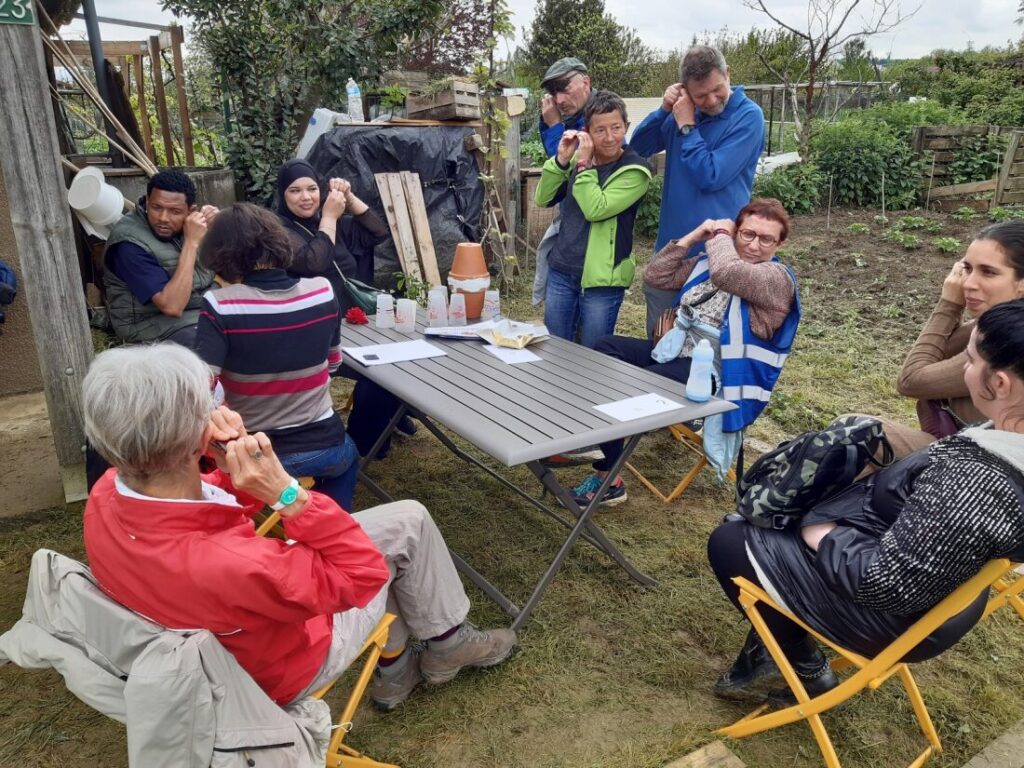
(702, 361)
(355, 101)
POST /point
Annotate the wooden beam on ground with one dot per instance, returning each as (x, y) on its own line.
(393, 198)
(140, 85)
(413, 189)
(34, 182)
(161, 99)
(713, 755)
(177, 38)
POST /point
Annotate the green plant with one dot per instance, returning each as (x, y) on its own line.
(412, 287)
(910, 222)
(863, 159)
(966, 213)
(648, 215)
(947, 244)
(797, 187)
(392, 96)
(933, 226)
(533, 152)
(978, 158)
(903, 116)
(860, 229)
(908, 240)
(880, 219)
(1005, 214)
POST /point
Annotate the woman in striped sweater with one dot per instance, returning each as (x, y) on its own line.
(865, 564)
(273, 341)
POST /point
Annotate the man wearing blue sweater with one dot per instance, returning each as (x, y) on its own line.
(712, 135)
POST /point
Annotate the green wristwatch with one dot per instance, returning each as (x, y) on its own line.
(288, 496)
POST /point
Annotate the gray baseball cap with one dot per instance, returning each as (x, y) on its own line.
(562, 69)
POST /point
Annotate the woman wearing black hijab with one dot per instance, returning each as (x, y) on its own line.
(342, 231)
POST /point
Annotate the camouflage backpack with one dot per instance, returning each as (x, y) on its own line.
(782, 485)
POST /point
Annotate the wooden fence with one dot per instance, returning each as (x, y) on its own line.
(943, 142)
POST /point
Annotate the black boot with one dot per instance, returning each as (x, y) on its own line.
(752, 675)
(811, 667)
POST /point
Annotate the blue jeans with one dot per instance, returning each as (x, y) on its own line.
(334, 470)
(568, 308)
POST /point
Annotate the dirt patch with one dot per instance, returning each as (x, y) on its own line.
(30, 479)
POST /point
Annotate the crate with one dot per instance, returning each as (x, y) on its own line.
(459, 101)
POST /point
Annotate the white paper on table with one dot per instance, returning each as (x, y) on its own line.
(459, 331)
(512, 330)
(513, 356)
(395, 352)
(638, 407)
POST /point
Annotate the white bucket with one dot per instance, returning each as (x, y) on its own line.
(94, 199)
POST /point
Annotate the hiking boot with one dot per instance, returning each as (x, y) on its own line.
(813, 670)
(583, 493)
(392, 685)
(574, 458)
(469, 647)
(752, 676)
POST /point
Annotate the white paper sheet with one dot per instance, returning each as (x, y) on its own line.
(395, 352)
(513, 356)
(638, 407)
(459, 331)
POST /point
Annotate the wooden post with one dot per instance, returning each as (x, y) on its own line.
(161, 99)
(140, 86)
(512, 182)
(126, 75)
(1002, 187)
(42, 228)
(177, 38)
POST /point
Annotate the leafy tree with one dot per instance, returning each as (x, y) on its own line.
(615, 56)
(279, 59)
(453, 42)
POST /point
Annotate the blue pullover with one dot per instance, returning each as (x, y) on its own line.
(710, 171)
(551, 135)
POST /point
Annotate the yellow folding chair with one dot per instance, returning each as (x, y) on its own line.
(1008, 590)
(339, 754)
(871, 673)
(692, 442)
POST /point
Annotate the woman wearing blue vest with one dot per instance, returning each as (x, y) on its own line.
(736, 294)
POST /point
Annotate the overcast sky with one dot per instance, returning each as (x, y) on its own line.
(667, 24)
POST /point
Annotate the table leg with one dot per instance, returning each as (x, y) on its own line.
(372, 485)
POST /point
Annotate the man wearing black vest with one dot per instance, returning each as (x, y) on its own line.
(153, 278)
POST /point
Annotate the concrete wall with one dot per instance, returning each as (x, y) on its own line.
(214, 186)
(19, 367)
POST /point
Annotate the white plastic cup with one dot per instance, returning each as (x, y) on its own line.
(385, 310)
(457, 310)
(437, 307)
(405, 316)
(492, 306)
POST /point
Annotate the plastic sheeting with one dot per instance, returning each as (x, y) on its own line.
(452, 190)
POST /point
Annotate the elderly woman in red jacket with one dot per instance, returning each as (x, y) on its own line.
(293, 614)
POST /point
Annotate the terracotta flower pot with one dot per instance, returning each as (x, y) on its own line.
(469, 276)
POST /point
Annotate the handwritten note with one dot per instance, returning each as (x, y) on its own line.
(638, 407)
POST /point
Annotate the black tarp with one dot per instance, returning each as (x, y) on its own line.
(452, 190)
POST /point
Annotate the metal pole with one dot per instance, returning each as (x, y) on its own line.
(771, 117)
(92, 26)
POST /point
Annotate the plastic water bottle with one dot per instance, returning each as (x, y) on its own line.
(698, 385)
(355, 100)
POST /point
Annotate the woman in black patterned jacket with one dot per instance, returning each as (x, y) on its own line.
(864, 565)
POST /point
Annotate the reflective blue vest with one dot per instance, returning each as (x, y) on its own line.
(750, 365)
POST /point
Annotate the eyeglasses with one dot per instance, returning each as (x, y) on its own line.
(749, 235)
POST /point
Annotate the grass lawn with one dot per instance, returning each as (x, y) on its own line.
(610, 674)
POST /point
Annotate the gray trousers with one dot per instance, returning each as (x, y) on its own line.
(424, 590)
(540, 276)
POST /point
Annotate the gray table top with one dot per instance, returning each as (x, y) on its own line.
(519, 413)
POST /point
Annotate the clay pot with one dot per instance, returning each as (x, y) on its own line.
(469, 276)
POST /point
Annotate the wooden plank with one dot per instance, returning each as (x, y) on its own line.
(1012, 198)
(916, 138)
(126, 74)
(398, 220)
(1014, 183)
(421, 227)
(946, 143)
(80, 49)
(955, 130)
(34, 184)
(713, 755)
(177, 38)
(972, 188)
(140, 81)
(1017, 169)
(161, 99)
(1009, 159)
(953, 204)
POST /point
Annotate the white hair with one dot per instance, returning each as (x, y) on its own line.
(146, 407)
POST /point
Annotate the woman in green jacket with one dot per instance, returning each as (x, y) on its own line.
(599, 182)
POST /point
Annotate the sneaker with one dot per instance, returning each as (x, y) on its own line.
(469, 647)
(583, 493)
(392, 686)
(574, 458)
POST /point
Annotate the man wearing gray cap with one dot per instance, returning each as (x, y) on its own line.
(567, 91)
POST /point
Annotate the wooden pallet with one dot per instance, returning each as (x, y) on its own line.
(402, 197)
(459, 101)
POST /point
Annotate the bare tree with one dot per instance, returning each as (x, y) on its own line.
(829, 25)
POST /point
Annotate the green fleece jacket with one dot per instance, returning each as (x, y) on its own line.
(595, 241)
